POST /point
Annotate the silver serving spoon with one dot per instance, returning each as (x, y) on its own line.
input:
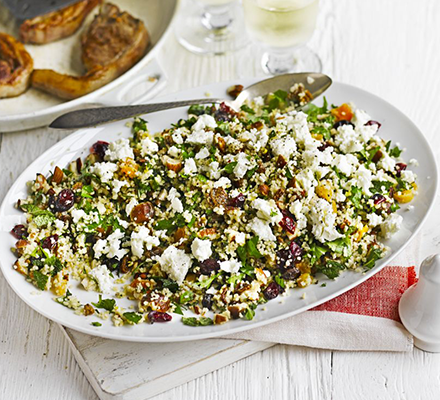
(315, 83)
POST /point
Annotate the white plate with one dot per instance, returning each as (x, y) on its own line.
(35, 108)
(395, 126)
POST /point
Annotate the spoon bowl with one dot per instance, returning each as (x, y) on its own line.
(315, 83)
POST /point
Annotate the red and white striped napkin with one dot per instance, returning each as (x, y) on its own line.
(365, 318)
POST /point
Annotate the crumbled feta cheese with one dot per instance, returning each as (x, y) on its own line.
(59, 224)
(231, 266)
(348, 140)
(306, 179)
(173, 197)
(413, 162)
(201, 249)
(187, 216)
(223, 182)
(284, 147)
(200, 137)
(387, 163)
(173, 151)
(101, 208)
(77, 215)
(391, 225)
(345, 163)
(190, 167)
(138, 239)
(374, 219)
(340, 196)
(202, 154)
(297, 123)
(177, 136)
(102, 275)
(214, 171)
(262, 229)
(104, 170)
(238, 237)
(175, 263)
(362, 179)
(268, 210)
(367, 132)
(119, 150)
(131, 204)
(117, 185)
(204, 121)
(310, 80)
(161, 234)
(123, 223)
(360, 118)
(110, 246)
(323, 221)
(148, 147)
(298, 209)
(408, 176)
(243, 164)
(255, 138)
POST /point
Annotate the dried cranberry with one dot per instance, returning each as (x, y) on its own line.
(295, 249)
(324, 146)
(207, 301)
(208, 266)
(63, 202)
(374, 123)
(291, 274)
(18, 231)
(99, 148)
(157, 316)
(342, 122)
(378, 198)
(399, 168)
(224, 113)
(272, 290)
(285, 259)
(50, 242)
(288, 223)
(237, 201)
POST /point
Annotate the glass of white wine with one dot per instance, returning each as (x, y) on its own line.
(282, 28)
(211, 26)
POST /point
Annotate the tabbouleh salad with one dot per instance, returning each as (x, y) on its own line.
(221, 212)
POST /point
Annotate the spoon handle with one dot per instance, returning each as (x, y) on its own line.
(95, 116)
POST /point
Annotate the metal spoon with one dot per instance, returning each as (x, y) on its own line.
(315, 83)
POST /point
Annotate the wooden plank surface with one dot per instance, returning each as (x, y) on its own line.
(389, 48)
(134, 371)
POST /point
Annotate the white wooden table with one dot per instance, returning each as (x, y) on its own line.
(390, 48)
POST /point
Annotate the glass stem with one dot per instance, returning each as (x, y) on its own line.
(277, 62)
(216, 17)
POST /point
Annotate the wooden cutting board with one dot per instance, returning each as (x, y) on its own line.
(138, 371)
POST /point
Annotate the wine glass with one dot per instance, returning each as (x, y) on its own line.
(211, 26)
(282, 28)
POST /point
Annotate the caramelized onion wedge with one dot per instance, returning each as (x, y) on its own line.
(57, 24)
(15, 67)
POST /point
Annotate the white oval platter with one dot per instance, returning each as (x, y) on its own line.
(35, 108)
(395, 126)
